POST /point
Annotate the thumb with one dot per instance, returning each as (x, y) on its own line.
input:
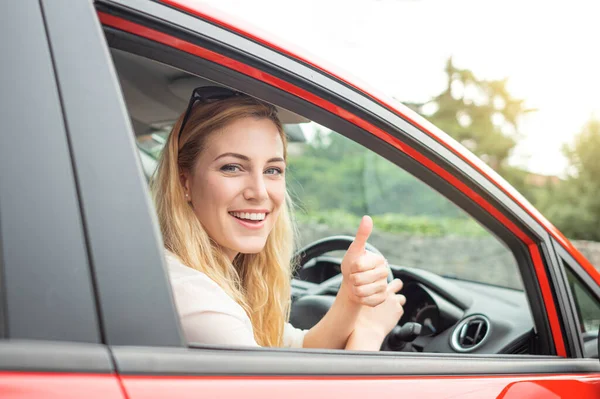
(362, 234)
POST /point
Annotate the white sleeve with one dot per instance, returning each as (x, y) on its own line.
(293, 337)
(209, 316)
(216, 328)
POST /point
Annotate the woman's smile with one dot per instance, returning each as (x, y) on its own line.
(251, 218)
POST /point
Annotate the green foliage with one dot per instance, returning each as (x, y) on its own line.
(480, 114)
(328, 175)
(396, 223)
(574, 205)
(335, 181)
(334, 173)
(428, 226)
(483, 116)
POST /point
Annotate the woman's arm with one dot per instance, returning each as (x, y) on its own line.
(333, 330)
(364, 284)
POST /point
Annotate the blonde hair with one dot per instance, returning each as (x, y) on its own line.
(259, 282)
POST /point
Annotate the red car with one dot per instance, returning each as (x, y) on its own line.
(88, 92)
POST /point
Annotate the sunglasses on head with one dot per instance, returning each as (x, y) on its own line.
(206, 93)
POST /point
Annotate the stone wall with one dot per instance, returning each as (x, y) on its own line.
(474, 258)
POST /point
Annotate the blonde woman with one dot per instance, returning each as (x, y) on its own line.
(225, 218)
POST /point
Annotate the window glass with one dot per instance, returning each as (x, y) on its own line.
(334, 181)
(152, 144)
(588, 307)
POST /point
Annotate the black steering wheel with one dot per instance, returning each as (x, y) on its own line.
(329, 244)
(310, 308)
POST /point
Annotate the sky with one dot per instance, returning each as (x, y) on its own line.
(549, 51)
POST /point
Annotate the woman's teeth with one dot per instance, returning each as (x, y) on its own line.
(249, 216)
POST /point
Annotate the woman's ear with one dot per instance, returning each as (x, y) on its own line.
(185, 178)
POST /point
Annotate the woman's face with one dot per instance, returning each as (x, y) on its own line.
(237, 186)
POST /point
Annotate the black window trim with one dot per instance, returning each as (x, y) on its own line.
(214, 361)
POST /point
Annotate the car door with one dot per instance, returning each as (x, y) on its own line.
(137, 308)
(50, 338)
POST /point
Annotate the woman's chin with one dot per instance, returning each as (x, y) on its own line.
(251, 246)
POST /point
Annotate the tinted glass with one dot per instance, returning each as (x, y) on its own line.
(588, 307)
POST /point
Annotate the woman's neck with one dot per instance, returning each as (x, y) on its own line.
(231, 254)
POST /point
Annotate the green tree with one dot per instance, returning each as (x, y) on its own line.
(335, 173)
(482, 115)
(329, 174)
(574, 205)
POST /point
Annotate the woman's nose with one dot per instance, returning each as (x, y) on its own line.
(256, 188)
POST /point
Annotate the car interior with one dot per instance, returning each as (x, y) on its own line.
(442, 314)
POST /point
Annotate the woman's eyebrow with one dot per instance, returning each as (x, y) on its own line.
(233, 154)
(245, 158)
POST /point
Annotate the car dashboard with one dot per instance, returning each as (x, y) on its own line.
(455, 316)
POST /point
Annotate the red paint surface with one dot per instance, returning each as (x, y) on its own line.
(23, 385)
(247, 30)
(465, 387)
(174, 42)
(538, 264)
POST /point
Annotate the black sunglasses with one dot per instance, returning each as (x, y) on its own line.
(206, 93)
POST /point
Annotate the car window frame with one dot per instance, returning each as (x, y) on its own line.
(147, 12)
(168, 361)
(125, 246)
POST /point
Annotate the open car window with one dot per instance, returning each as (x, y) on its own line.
(453, 267)
(335, 181)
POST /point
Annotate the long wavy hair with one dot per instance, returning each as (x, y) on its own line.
(259, 282)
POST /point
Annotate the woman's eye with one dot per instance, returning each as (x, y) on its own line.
(230, 168)
(274, 171)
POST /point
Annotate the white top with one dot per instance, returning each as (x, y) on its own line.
(209, 316)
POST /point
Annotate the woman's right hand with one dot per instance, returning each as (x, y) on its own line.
(364, 273)
(374, 323)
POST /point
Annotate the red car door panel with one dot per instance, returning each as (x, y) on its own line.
(522, 387)
(58, 385)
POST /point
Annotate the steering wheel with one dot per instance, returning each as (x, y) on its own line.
(310, 308)
(329, 244)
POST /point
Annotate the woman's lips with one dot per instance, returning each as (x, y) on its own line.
(251, 224)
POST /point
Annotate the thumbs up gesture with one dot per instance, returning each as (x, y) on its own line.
(365, 273)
